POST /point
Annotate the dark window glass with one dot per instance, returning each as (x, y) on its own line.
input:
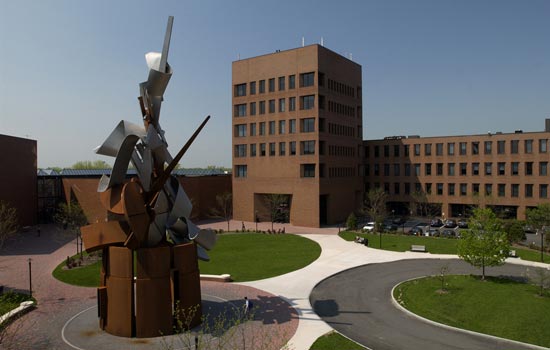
(307, 79)
(308, 170)
(240, 170)
(291, 81)
(253, 88)
(271, 84)
(262, 86)
(281, 83)
(307, 102)
(240, 90)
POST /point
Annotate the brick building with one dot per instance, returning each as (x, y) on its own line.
(297, 132)
(508, 172)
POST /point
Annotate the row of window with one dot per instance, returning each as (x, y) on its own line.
(263, 149)
(514, 168)
(341, 151)
(307, 125)
(462, 148)
(343, 89)
(306, 102)
(340, 108)
(306, 170)
(344, 130)
(306, 79)
(462, 189)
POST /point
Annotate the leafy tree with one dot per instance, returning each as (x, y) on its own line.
(351, 222)
(224, 207)
(539, 218)
(87, 165)
(275, 201)
(8, 222)
(375, 205)
(72, 217)
(514, 231)
(485, 243)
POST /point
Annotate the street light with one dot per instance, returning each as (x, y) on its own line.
(30, 277)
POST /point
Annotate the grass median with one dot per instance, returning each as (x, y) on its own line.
(496, 306)
(334, 340)
(245, 256)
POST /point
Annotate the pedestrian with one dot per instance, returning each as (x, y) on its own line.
(243, 228)
(246, 305)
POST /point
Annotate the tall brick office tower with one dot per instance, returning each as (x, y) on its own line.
(297, 132)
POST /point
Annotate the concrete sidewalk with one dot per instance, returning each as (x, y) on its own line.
(336, 255)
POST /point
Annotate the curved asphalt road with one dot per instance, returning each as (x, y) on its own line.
(357, 303)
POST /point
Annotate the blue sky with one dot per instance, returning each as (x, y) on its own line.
(69, 70)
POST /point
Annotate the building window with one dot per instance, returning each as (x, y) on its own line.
(528, 168)
(386, 151)
(543, 191)
(488, 189)
(271, 106)
(428, 169)
(386, 170)
(543, 168)
(240, 151)
(396, 169)
(253, 150)
(271, 149)
(240, 130)
(451, 189)
(271, 84)
(428, 149)
(502, 168)
(262, 128)
(439, 169)
(396, 188)
(376, 151)
(252, 129)
(528, 190)
(307, 125)
(262, 149)
(406, 150)
(376, 169)
(240, 110)
(514, 147)
(292, 104)
(407, 189)
(240, 171)
(475, 188)
(253, 88)
(282, 124)
(272, 127)
(439, 149)
(515, 190)
(462, 148)
(262, 107)
(262, 86)
(282, 148)
(528, 146)
(308, 170)
(252, 108)
(321, 79)
(501, 190)
(439, 189)
(307, 79)
(292, 126)
(417, 149)
(292, 145)
(451, 169)
(488, 168)
(515, 168)
(475, 147)
(463, 189)
(488, 147)
(291, 81)
(463, 169)
(451, 149)
(501, 147)
(395, 149)
(417, 170)
(407, 169)
(307, 147)
(475, 168)
(281, 83)
(307, 102)
(543, 145)
(428, 188)
(240, 90)
(281, 105)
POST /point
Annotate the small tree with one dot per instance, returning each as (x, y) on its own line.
(442, 274)
(514, 231)
(375, 206)
(224, 207)
(72, 217)
(539, 217)
(275, 200)
(540, 277)
(351, 222)
(484, 243)
(8, 222)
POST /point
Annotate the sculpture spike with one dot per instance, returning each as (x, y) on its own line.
(166, 46)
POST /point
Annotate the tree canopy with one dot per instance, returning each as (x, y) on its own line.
(88, 164)
(8, 222)
(485, 243)
(375, 205)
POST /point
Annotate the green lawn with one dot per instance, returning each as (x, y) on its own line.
(12, 300)
(246, 256)
(334, 340)
(499, 307)
(435, 245)
(255, 256)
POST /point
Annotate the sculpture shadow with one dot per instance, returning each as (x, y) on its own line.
(28, 242)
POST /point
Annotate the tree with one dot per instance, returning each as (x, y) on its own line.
(87, 165)
(514, 231)
(375, 205)
(539, 218)
(72, 217)
(351, 222)
(224, 207)
(485, 243)
(8, 222)
(275, 201)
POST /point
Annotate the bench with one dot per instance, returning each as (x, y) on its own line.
(418, 248)
(513, 254)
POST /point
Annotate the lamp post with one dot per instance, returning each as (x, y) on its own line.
(30, 277)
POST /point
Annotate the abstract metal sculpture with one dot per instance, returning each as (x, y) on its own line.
(147, 220)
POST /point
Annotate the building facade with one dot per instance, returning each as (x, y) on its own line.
(447, 176)
(297, 134)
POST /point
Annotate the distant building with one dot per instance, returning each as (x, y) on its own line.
(297, 132)
(18, 177)
(508, 172)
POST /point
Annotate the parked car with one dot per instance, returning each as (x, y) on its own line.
(462, 223)
(434, 232)
(529, 229)
(398, 220)
(416, 230)
(369, 227)
(390, 227)
(450, 223)
(436, 222)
